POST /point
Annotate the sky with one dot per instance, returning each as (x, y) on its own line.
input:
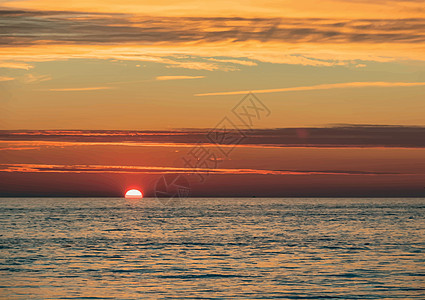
(84, 77)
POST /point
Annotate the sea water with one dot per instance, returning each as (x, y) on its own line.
(212, 248)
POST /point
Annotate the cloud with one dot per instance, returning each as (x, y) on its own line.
(195, 65)
(15, 65)
(30, 27)
(47, 168)
(34, 78)
(235, 61)
(228, 8)
(177, 77)
(340, 136)
(320, 87)
(5, 78)
(95, 88)
(19, 148)
(209, 43)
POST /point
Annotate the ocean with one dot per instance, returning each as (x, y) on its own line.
(212, 248)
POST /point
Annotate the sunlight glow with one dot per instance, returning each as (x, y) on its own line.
(133, 193)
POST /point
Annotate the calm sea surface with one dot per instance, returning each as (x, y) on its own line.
(63, 248)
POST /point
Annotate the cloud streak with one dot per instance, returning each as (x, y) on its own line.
(15, 65)
(178, 77)
(80, 89)
(47, 168)
(32, 27)
(330, 137)
(320, 87)
(6, 78)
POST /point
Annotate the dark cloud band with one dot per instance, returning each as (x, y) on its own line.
(20, 27)
(339, 136)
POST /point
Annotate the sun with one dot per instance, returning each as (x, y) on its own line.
(133, 193)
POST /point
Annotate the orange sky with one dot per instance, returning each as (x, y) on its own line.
(143, 65)
(340, 161)
(156, 65)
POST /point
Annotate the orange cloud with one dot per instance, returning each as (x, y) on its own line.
(5, 78)
(321, 87)
(235, 61)
(95, 88)
(177, 77)
(42, 168)
(200, 42)
(15, 65)
(34, 78)
(228, 8)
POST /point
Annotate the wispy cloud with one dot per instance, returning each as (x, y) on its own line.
(234, 61)
(330, 137)
(178, 77)
(37, 168)
(326, 42)
(15, 65)
(6, 78)
(197, 65)
(18, 148)
(320, 87)
(228, 8)
(95, 88)
(35, 78)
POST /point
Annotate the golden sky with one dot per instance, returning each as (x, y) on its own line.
(162, 64)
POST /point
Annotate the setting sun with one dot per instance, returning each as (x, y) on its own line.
(133, 194)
